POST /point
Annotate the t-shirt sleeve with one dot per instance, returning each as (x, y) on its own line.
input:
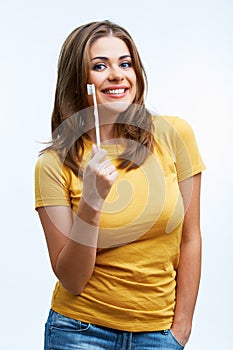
(188, 160)
(51, 181)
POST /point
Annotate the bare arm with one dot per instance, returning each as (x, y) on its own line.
(72, 243)
(71, 261)
(189, 270)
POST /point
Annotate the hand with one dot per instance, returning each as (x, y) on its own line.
(98, 178)
(181, 333)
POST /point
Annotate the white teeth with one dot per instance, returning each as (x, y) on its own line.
(115, 92)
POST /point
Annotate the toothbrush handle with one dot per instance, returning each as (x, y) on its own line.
(97, 128)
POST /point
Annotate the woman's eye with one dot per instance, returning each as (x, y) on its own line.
(126, 64)
(99, 66)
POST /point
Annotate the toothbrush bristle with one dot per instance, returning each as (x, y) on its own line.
(90, 89)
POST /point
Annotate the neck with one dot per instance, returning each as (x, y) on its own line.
(107, 120)
(107, 133)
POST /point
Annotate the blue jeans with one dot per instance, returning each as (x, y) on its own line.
(64, 333)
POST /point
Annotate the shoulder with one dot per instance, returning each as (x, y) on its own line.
(48, 157)
(177, 135)
(172, 129)
(164, 123)
(52, 181)
(50, 164)
(48, 160)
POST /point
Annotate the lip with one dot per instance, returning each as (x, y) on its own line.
(115, 87)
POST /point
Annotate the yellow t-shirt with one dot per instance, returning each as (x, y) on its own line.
(133, 284)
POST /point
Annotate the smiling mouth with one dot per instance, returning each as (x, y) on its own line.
(114, 91)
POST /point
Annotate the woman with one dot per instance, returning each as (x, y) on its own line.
(121, 221)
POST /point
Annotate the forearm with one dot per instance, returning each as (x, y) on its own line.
(76, 261)
(188, 279)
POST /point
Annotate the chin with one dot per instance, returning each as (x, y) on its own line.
(114, 107)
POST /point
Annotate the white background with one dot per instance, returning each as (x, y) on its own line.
(187, 50)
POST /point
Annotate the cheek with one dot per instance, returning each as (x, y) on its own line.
(134, 81)
(135, 88)
(96, 78)
(91, 78)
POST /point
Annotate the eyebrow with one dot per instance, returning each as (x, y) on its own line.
(103, 58)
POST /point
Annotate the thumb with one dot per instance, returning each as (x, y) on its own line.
(98, 154)
(94, 149)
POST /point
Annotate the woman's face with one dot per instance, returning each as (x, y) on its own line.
(111, 70)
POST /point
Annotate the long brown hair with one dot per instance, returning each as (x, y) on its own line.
(68, 117)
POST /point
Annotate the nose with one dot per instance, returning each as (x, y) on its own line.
(116, 74)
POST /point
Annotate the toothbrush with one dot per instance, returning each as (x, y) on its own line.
(91, 91)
